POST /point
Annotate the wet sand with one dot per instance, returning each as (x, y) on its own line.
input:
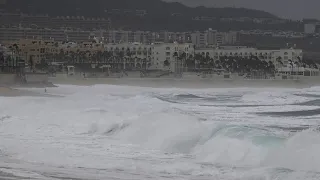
(12, 92)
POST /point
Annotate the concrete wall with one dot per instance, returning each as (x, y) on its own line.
(37, 78)
(7, 78)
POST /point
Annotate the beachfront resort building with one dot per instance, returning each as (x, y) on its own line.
(165, 55)
(155, 56)
(280, 57)
(33, 49)
(288, 62)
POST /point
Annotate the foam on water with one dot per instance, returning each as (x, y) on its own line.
(160, 133)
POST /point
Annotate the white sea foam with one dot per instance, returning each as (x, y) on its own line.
(177, 133)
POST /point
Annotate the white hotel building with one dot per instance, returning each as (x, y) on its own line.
(267, 55)
(155, 54)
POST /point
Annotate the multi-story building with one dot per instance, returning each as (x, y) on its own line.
(13, 34)
(156, 56)
(33, 49)
(311, 28)
(283, 55)
(169, 52)
(131, 55)
(9, 62)
(212, 38)
(199, 39)
(147, 37)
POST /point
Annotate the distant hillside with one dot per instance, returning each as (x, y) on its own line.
(146, 14)
(98, 7)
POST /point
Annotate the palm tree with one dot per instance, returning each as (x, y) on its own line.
(182, 57)
(190, 62)
(279, 60)
(121, 60)
(72, 57)
(31, 63)
(291, 64)
(166, 63)
(197, 60)
(99, 56)
(271, 68)
(2, 60)
(61, 55)
(297, 65)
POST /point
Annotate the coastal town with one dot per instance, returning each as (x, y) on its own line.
(34, 47)
(96, 58)
(159, 89)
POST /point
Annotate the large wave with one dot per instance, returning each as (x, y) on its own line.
(212, 133)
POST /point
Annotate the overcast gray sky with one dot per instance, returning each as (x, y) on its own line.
(293, 9)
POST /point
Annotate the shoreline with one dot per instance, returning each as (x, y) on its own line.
(193, 83)
(6, 91)
(184, 83)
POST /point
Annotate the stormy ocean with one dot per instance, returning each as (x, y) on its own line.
(120, 132)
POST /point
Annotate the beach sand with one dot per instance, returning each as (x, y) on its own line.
(187, 83)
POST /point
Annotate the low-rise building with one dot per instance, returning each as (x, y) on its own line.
(280, 57)
(156, 56)
(33, 50)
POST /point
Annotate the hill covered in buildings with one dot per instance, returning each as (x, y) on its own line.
(152, 8)
(153, 15)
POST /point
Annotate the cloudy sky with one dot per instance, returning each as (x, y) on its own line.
(293, 9)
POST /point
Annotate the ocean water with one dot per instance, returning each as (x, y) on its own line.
(120, 132)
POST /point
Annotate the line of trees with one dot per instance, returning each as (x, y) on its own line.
(238, 64)
(118, 60)
(233, 64)
(11, 63)
(131, 61)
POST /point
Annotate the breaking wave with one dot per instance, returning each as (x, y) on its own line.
(163, 132)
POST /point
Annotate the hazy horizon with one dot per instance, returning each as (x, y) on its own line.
(291, 9)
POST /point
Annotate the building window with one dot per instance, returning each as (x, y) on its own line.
(167, 53)
(167, 48)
